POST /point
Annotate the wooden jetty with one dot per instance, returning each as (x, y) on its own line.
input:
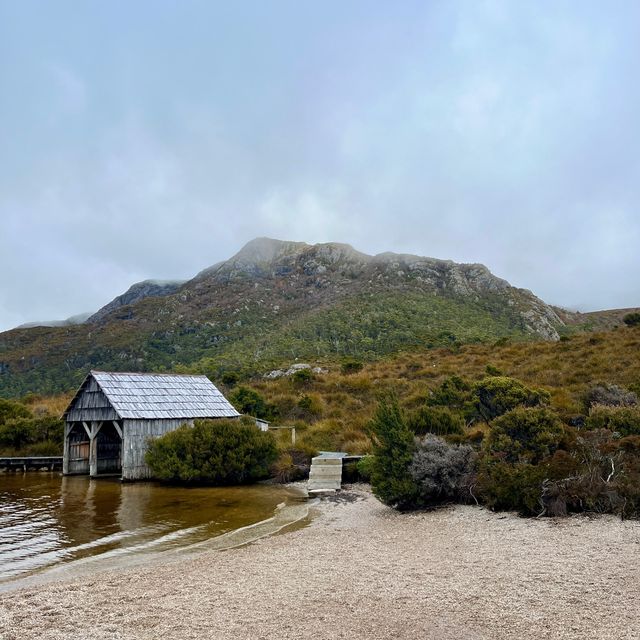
(31, 463)
(325, 475)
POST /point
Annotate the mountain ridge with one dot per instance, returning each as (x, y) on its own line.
(274, 301)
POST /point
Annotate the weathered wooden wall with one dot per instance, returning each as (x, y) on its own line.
(91, 404)
(76, 449)
(136, 434)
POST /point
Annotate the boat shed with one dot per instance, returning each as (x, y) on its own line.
(112, 416)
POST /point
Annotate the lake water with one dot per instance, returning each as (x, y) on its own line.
(49, 521)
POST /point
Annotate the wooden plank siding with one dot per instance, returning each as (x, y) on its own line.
(136, 434)
(91, 404)
(76, 451)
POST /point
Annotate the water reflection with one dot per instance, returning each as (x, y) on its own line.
(46, 519)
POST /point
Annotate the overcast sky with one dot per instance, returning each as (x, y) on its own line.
(152, 139)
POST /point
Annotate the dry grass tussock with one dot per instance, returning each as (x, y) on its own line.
(345, 403)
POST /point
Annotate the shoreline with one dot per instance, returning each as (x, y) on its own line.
(362, 570)
(292, 513)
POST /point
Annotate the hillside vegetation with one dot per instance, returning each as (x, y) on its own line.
(333, 409)
(274, 302)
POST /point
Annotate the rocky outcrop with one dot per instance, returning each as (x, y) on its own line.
(331, 270)
(135, 293)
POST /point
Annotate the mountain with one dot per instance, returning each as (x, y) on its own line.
(135, 293)
(77, 319)
(275, 302)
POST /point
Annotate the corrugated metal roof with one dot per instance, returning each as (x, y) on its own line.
(163, 395)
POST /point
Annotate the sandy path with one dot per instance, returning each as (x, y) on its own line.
(363, 571)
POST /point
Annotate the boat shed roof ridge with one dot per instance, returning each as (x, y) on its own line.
(148, 396)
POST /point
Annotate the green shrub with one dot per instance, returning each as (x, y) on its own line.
(393, 448)
(351, 366)
(230, 378)
(521, 456)
(492, 370)
(365, 468)
(440, 421)
(216, 452)
(495, 395)
(16, 433)
(22, 433)
(512, 487)
(249, 402)
(525, 435)
(632, 319)
(623, 420)
(10, 409)
(454, 392)
(310, 406)
(302, 377)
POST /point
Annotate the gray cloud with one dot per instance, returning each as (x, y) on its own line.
(486, 132)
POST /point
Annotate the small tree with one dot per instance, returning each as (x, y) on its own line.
(495, 395)
(632, 319)
(525, 434)
(250, 402)
(393, 448)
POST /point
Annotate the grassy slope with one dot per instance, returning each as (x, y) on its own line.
(251, 339)
(565, 368)
(341, 405)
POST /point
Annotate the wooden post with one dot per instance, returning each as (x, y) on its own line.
(293, 435)
(66, 451)
(93, 453)
(93, 448)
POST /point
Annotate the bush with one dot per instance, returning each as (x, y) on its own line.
(215, 452)
(249, 402)
(522, 455)
(351, 366)
(442, 471)
(512, 487)
(310, 406)
(293, 464)
(12, 410)
(230, 378)
(302, 377)
(440, 421)
(393, 448)
(17, 434)
(610, 395)
(623, 420)
(495, 395)
(525, 435)
(492, 370)
(454, 392)
(632, 319)
(365, 468)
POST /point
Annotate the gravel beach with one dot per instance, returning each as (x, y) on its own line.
(361, 570)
